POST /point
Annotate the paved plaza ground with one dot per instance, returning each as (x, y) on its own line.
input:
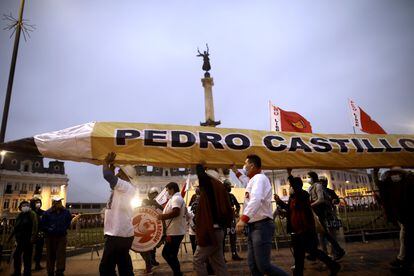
(370, 258)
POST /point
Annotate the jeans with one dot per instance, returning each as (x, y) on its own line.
(259, 242)
(116, 253)
(170, 253)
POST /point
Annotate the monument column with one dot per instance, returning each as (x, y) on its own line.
(208, 83)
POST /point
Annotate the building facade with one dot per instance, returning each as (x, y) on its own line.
(23, 177)
(352, 185)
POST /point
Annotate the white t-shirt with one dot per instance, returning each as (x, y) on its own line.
(118, 213)
(176, 226)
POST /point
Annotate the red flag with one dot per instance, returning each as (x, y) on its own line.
(186, 186)
(282, 120)
(363, 121)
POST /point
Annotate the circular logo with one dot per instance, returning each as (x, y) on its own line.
(148, 230)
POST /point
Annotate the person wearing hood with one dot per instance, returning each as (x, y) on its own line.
(396, 190)
(321, 209)
(24, 231)
(301, 226)
(36, 206)
(55, 223)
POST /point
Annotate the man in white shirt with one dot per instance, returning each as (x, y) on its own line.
(258, 217)
(176, 224)
(118, 229)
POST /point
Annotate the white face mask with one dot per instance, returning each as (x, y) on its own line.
(309, 180)
(38, 205)
(396, 178)
(25, 209)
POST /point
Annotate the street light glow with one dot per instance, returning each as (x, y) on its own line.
(136, 202)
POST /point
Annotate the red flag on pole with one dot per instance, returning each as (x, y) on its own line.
(186, 186)
(363, 121)
(281, 120)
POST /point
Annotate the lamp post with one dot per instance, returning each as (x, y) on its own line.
(19, 25)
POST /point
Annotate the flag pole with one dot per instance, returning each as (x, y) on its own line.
(270, 115)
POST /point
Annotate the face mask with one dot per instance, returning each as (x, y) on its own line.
(396, 178)
(25, 209)
(38, 205)
(309, 180)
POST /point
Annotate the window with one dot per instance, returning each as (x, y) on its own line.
(24, 187)
(15, 204)
(6, 204)
(54, 190)
(30, 187)
(26, 166)
(16, 186)
(8, 189)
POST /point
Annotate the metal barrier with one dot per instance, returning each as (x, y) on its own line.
(86, 230)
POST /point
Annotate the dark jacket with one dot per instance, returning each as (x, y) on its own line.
(298, 206)
(214, 208)
(396, 198)
(25, 227)
(56, 223)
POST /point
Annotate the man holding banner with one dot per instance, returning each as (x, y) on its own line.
(118, 229)
(258, 217)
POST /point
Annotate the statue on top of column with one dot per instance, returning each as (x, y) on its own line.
(206, 61)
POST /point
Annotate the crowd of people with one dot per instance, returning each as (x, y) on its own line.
(33, 228)
(213, 213)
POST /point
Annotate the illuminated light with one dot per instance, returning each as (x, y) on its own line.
(136, 202)
(3, 153)
(347, 181)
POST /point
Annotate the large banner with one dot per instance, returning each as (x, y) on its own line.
(183, 146)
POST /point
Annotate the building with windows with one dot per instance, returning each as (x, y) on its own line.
(23, 177)
(347, 184)
(85, 207)
(148, 176)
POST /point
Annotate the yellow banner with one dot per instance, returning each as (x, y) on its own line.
(182, 146)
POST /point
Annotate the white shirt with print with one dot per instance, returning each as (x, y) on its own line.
(118, 214)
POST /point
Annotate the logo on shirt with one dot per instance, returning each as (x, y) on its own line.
(148, 230)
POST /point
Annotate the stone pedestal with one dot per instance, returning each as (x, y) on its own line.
(208, 101)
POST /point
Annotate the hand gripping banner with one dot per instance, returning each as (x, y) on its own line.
(183, 146)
